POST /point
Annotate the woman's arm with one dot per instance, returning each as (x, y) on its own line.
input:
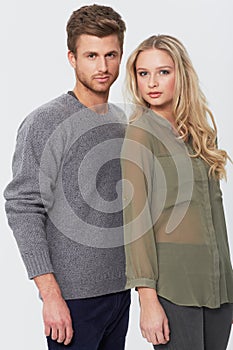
(153, 320)
(137, 174)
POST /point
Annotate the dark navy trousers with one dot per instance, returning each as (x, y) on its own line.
(99, 323)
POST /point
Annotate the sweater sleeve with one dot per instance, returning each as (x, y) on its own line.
(140, 246)
(24, 206)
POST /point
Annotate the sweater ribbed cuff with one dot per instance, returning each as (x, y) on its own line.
(37, 263)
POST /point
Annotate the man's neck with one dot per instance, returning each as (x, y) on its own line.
(94, 101)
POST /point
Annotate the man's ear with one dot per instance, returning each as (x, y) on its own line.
(72, 58)
(121, 56)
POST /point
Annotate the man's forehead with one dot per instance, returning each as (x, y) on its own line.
(96, 44)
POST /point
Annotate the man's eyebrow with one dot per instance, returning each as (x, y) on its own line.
(112, 51)
(90, 52)
(96, 53)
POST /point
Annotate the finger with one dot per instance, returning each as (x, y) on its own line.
(146, 335)
(143, 333)
(61, 335)
(166, 331)
(160, 337)
(153, 338)
(150, 337)
(54, 333)
(69, 335)
(47, 330)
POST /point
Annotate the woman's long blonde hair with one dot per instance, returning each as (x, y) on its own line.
(189, 104)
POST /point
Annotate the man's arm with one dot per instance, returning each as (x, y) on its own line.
(27, 216)
(56, 315)
(24, 206)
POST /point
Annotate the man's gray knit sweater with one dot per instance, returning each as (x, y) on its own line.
(64, 202)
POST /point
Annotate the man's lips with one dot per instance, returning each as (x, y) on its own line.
(102, 79)
(155, 94)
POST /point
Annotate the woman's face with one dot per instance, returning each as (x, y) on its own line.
(155, 71)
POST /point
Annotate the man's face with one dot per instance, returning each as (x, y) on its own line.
(97, 62)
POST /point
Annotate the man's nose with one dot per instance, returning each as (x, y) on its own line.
(102, 65)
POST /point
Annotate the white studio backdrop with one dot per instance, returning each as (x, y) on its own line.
(35, 69)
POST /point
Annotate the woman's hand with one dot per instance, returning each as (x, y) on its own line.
(153, 320)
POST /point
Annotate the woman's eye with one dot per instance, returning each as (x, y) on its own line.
(142, 74)
(164, 72)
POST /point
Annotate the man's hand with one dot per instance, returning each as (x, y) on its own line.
(153, 320)
(56, 314)
(57, 320)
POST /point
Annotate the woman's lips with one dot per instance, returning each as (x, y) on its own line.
(155, 94)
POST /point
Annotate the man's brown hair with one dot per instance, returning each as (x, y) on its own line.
(94, 20)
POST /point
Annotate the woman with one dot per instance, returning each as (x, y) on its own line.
(177, 251)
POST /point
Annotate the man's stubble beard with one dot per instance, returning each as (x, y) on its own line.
(91, 87)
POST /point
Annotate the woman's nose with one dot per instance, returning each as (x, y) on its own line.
(153, 82)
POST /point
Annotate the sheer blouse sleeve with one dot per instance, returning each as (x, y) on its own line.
(137, 174)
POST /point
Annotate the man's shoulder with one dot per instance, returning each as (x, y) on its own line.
(50, 114)
(50, 108)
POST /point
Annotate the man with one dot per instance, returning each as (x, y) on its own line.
(63, 203)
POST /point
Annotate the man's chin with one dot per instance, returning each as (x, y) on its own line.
(101, 89)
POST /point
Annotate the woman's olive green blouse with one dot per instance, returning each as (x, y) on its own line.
(174, 226)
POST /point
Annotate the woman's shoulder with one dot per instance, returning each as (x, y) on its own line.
(139, 130)
(149, 126)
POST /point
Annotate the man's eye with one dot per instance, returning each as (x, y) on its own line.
(111, 55)
(164, 72)
(91, 55)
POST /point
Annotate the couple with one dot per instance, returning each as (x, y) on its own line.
(64, 204)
